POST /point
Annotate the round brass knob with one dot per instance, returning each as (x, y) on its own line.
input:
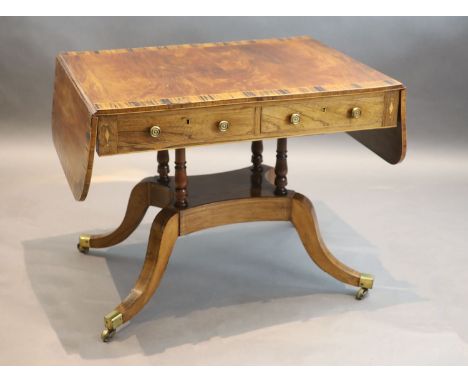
(223, 126)
(295, 118)
(356, 112)
(155, 131)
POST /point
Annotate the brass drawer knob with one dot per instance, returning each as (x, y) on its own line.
(356, 112)
(295, 118)
(155, 131)
(223, 126)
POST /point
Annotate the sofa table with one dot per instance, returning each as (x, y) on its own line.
(172, 97)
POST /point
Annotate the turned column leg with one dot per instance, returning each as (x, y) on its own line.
(257, 158)
(180, 179)
(257, 169)
(163, 166)
(281, 167)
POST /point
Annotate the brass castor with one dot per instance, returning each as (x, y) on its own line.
(366, 282)
(361, 293)
(111, 321)
(83, 244)
(107, 334)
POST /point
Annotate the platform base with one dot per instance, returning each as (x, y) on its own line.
(217, 199)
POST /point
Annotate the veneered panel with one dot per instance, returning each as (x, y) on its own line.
(164, 77)
(105, 87)
(74, 133)
(389, 144)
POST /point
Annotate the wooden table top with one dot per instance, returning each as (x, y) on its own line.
(162, 77)
(111, 99)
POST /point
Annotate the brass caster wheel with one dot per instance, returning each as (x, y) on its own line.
(107, 334)
(82, 250)
(366, 282)
(361, 293)
(83, 244)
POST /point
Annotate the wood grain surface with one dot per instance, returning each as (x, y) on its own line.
(74, 132)
(326, 115)
(234, 211)
(179, 128)
(389, 144)
(162, 77)
(108, 100)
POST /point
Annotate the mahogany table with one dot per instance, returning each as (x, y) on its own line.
(172, 97)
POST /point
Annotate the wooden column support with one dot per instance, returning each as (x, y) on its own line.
(257, 168)
(163, 166)
(180, 179)
(281, 167)
(257, 158)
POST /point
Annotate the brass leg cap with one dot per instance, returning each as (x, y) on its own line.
(83, 244)
(107, 335)
(113, 320)
(361, 293)
(366, 281)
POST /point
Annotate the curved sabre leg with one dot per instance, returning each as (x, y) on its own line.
(163, 235)
(304, 219)
(145, 194)
(138, 204)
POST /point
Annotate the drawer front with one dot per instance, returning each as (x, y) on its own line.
(331, 114)
(179, 128)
